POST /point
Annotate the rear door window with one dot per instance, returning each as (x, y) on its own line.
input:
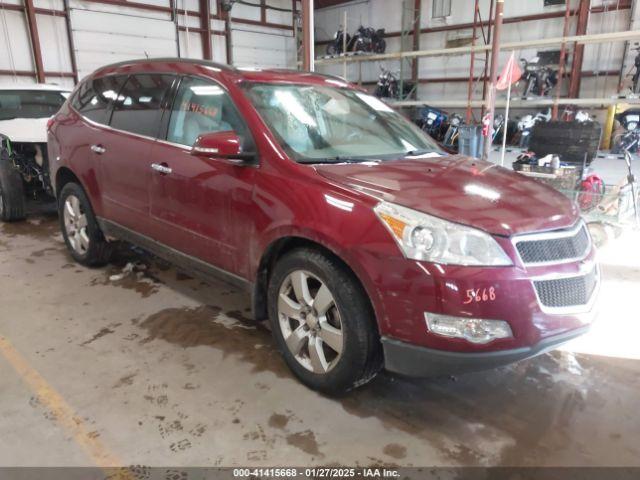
(94, 97)
(138, 108)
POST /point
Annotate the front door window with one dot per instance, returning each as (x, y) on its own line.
(200, 107)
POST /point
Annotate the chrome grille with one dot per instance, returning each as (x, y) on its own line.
(567, 292)
(554, 247)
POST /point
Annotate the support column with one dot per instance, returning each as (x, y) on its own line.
(415, 64)
(474, 39)
(35, 40)
(490, 104)
(308, 36)
(487, 39)
(563, 59)
(578, 49)
(72, 48)
(205, 26)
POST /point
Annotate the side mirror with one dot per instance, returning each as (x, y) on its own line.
(221, 144)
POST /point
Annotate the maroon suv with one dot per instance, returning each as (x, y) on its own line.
(362, 242)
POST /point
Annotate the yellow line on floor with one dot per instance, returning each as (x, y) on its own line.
(62, 412)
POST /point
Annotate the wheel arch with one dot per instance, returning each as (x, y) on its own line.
(65, 175)
(280, 247)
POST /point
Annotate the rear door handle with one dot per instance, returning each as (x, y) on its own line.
(161, 168)
(99, 149)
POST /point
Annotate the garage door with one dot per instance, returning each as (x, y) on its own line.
(254, 48)
(101, 38)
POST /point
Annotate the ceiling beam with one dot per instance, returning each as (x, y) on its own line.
(329, 3)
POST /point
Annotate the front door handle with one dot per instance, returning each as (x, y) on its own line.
(161, 168)
(99, 149)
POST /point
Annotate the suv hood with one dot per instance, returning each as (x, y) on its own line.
(460, 189)
(29, 130)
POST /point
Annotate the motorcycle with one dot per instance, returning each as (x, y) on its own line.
(526, 124)
(432, 121)
(539, 79)
(336, 46)
(450, 140)
(636, 75)
(498, 125)
(367, 39)
(572, 114)
(629, 140)
(388, 86)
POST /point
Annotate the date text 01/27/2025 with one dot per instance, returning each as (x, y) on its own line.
(318, 472)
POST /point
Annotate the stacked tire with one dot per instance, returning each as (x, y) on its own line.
(569, 140)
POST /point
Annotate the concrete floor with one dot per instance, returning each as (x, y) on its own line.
(160, 369)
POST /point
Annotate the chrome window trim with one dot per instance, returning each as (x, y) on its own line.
(109, 128)
(155, 140)
(585, 270)
(552, 235)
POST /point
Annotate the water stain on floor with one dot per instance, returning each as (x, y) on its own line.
(139, 282)
(38, 227)
(395, 451)
(103, 331)
(458, 416)
(278, 421)
(305, 441)
(191, 327)
(127, 380)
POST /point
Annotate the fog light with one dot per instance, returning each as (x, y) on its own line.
(474, 330)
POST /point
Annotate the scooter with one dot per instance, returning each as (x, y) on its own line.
(539, 79)
(630, 139)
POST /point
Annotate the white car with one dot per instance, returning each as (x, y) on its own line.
(24, 170)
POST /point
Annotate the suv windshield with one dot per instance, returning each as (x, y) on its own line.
(315, 123)
(29, 103)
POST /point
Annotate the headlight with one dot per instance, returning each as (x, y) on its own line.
(423, 237)
(474, 330)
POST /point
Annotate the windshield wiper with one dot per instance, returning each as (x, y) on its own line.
(336, 159)
(417, 153)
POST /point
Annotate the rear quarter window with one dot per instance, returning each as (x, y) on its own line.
(94, 97)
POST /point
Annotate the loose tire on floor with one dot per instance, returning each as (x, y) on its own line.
(80, 229)
(306, 331)
(11, 191)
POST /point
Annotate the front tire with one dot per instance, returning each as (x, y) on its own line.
(323, 322)
(80, 229)
(11, 193)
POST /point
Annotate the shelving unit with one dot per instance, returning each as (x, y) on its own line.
(481, 46)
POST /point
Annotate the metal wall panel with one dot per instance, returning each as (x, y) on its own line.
(256, 47)
(14, 38)
(101, 38)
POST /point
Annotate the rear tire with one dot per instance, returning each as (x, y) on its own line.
(80, 229)
(11, 193)
(342, 335)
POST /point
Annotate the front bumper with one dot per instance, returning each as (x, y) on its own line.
(416, 361)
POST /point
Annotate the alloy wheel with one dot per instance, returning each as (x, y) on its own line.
(310, 322)
(75, 224)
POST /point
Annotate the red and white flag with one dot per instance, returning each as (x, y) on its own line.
(511, 73)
